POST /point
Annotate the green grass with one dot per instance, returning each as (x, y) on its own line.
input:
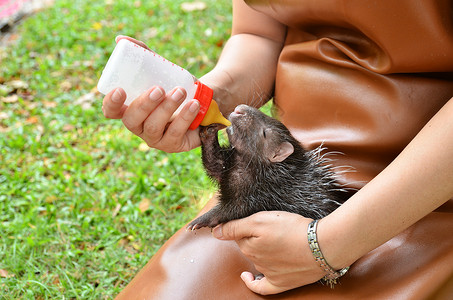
(83, 204)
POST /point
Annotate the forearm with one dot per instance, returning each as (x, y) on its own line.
(245, 72)
(418, 181)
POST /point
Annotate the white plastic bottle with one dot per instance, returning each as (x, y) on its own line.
(136, 69)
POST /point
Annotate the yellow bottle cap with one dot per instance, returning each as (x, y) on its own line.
(213, 115)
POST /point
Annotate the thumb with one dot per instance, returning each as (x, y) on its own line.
(233, 230)
(259, 286)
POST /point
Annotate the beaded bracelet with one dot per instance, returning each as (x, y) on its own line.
(332, 275)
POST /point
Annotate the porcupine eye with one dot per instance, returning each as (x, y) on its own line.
(264, 133)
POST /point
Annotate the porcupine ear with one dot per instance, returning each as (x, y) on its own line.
(281, 152)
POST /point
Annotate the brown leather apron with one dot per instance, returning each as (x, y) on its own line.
(362, 78)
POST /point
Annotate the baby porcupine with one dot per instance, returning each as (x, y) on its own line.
(264, 168)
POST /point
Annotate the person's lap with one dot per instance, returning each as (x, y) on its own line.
(417, 264)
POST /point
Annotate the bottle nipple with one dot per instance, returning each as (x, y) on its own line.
(213, 115)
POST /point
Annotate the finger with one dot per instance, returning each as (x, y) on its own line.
(140, 109)
(180, 125)
(154, 127)
(233, 230)
(113, 104)
(140, 43)
(260, 286)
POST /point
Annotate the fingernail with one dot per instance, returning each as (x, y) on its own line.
(156, 94)
(247, 277)
(116, 97)
(194, 106)
(217, 232)
(178, 95)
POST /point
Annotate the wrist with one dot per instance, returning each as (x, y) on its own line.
(337, 243)
(331, 274)
(221, 83)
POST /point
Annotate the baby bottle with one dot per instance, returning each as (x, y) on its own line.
(136, 69)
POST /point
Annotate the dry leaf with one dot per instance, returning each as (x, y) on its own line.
(86, 100)
(143, 147)
(66, 86)
(56, 280)
(17, 84)
(32, 120)
(49, 104)
(51, 199)
(136, 246)
(121, 26)
(40, 129)
(150, 33)
(3, 115)
(144, 205)
(68, 127)
(116, 210)
(193, 6)
(10, 99)
(123, 242)
(163, 162)
(5, 274)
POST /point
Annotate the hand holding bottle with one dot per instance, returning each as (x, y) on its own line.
(149, 117)
(161, 120)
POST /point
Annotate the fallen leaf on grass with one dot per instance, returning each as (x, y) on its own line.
(144, 205)
(163, 162)
(68, 127)
(123, 242)
(86, 100)
(66, 86)
(17, 84)
(143, 147)
(150, 33)
(51, 199)
(40, 132)
(5, 274)
(116, 210)
(56, 280)
(32, 120)
(10, 99)
(193, 6)
(49, 104)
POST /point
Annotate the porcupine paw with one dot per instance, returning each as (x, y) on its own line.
(205, 220)
(196, 224)
(207, 132)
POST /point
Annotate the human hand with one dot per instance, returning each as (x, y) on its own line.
(151, 115)
(276, 242)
